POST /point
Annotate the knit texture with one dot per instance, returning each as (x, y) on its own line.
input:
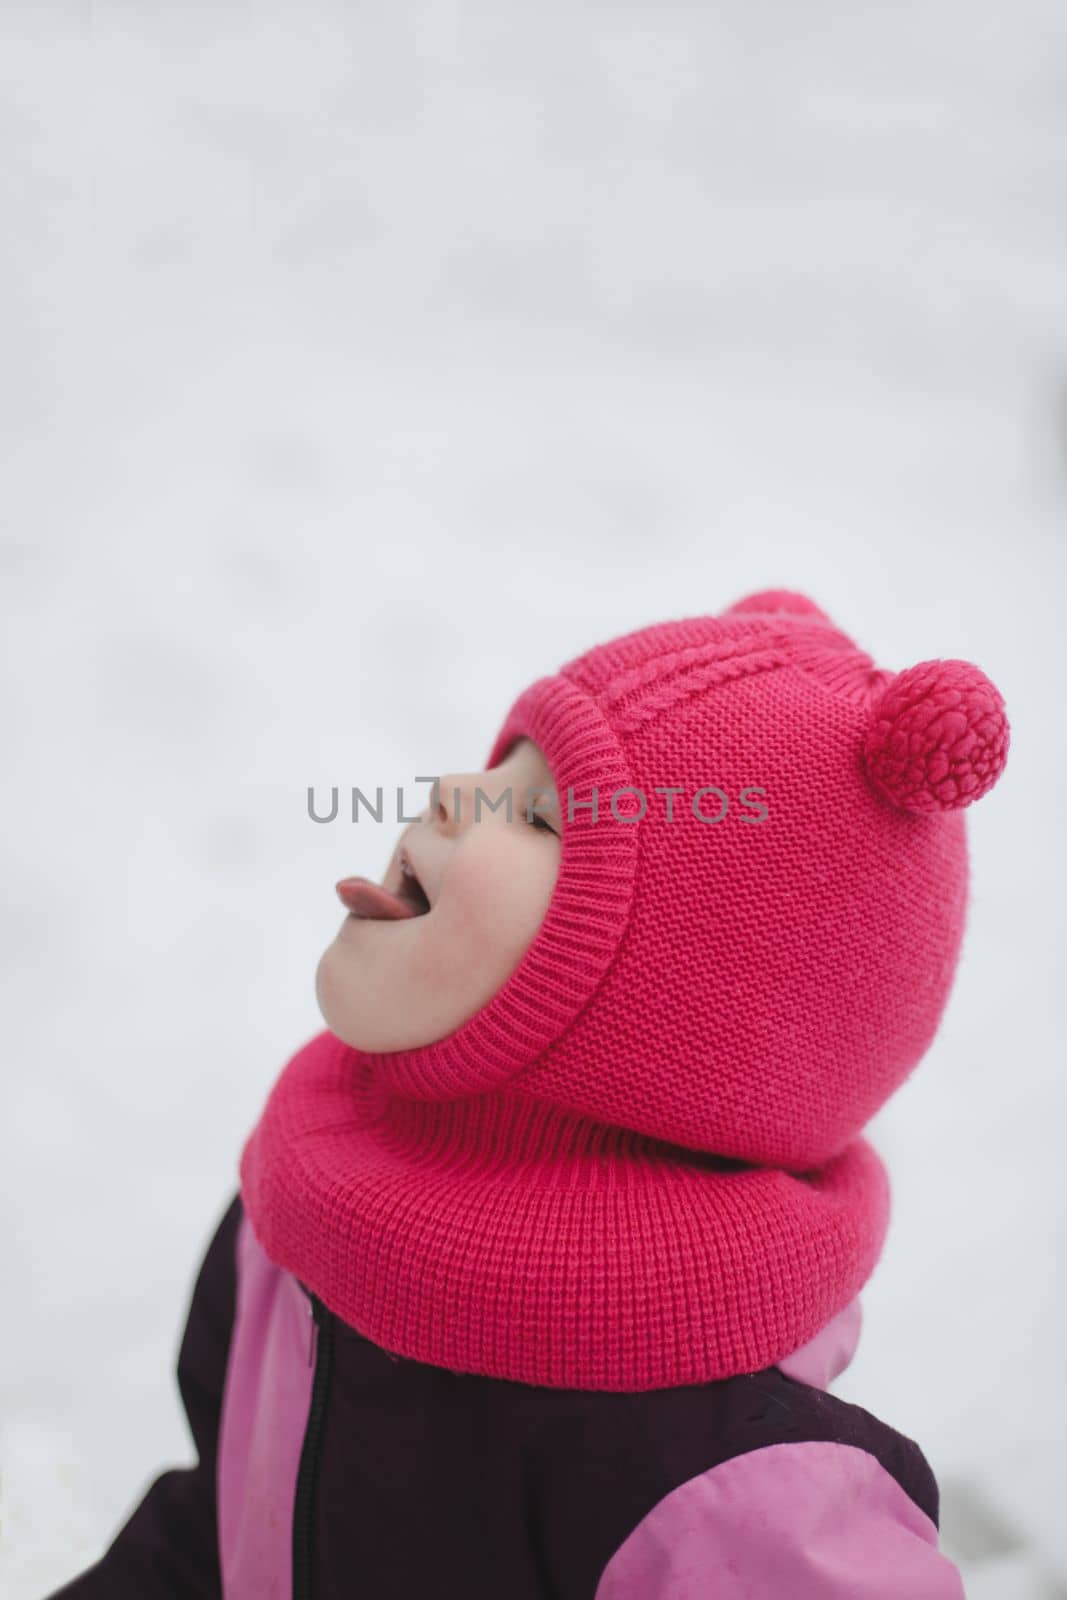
(640, 1165)
(501, 1236)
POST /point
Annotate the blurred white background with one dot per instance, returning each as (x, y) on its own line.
(361, 364)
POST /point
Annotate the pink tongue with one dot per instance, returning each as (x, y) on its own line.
(366, 899)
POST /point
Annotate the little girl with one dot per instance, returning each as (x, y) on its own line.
(547, 1248)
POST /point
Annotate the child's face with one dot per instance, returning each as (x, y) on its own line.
(400, 984)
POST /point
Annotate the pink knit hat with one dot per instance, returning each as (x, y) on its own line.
(639, 1164)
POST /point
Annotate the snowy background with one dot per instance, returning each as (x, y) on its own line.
(361, 364)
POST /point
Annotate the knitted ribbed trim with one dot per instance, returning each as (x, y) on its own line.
(501, 1236)
(581, 929)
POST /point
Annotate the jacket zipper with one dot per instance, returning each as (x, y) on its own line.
(321, 1351)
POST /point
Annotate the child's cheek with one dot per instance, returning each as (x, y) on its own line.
(493, 899)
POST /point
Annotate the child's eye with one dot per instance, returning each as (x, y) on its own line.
(537, 821)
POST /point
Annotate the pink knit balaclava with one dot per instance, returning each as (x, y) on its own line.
(640, 1164)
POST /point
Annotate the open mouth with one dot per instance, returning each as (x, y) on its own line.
(372, 902)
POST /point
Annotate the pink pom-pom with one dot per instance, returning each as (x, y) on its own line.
(937, 738)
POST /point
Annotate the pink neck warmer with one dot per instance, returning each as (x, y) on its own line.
(640, 1165)
(506, 1237)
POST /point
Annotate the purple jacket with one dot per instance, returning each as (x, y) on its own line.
(329, 1468)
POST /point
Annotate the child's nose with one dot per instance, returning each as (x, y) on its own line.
(466, 797)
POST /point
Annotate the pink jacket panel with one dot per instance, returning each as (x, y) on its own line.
(807, 1521)
(264, 1415)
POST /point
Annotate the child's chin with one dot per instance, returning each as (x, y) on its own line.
(329, 995)
(339, 987)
